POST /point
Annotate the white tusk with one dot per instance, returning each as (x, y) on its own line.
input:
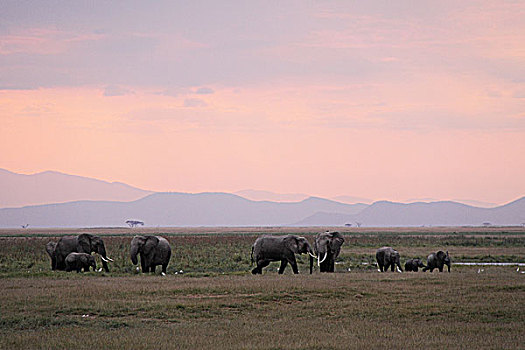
(325, 255)
(163, 274)
(313, 256)
(398, 270)
(106, 260)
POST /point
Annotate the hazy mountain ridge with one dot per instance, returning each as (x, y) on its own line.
(225, 209)
(441, 213)
(100, 203)
(172, 209)
(54, 187)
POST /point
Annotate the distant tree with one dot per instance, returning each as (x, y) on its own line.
(358, 224)
(487, 224)
(25, 226)
(348, 225)
(134, 223)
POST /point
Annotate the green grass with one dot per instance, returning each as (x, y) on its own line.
(218, 304)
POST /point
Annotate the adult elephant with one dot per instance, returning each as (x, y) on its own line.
(280, 248)
(153, 251)
(327, 246)
(437, 261)
(413, 265)
(84, 243)
(50, 249)
(388, 257)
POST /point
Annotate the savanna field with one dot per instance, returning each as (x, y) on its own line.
(209, 299)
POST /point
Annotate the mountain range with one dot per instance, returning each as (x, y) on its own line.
(19, 190)
(84, 202)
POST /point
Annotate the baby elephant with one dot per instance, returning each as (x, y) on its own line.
(79, 261)
(413, 265)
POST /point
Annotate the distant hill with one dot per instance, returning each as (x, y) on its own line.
(258, 195)
(172, 209)
(19, 190)
(385, 213)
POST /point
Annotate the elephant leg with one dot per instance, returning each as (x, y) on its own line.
(284, 262)
(294, 266)
(164, 267)
(415, 269)
(143, 264)
(105, 266)
(392, 266)
(331, 267)
(260, 265)
(152, 268)
(441, 269)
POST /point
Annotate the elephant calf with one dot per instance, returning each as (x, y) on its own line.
(280, 248)
(79, 261)
(153, 251)
(413, 265)
(388, 257)
(437, 260)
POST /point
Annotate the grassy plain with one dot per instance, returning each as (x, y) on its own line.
(216, 303)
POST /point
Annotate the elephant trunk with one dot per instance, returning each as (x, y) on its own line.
(105, 259)
(134, 252)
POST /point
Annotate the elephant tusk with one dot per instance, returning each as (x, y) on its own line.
(398, 270)
(105, 260)
(313, 256)
(325, 256)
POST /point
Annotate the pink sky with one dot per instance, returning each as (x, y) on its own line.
(382, 101)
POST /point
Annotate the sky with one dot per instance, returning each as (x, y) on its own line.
(377, 99)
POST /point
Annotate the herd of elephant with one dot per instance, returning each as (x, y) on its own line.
(73, 253)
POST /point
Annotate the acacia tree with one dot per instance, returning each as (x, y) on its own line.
(134, 223)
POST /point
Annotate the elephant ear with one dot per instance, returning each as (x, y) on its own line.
(151, 243)
(337, 239)
(84, 243)
(291, 243)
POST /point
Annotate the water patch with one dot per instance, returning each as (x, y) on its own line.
(488, 264)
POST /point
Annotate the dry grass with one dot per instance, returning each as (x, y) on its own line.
(233, 309)
(355, 310)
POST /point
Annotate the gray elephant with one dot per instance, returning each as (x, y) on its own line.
(280, 248)
(388, 256)
(79, 261)
(327, 246)
(153, 251)
(84, 243)
(50, 249)
(437, 260)
(413, 265)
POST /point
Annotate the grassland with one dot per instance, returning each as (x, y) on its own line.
(217, 303)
